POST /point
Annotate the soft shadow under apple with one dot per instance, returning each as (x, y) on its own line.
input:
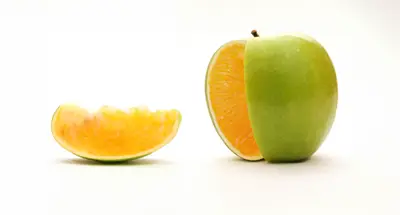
(316, 162)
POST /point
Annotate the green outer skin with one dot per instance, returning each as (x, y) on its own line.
(292, 93)
(211, 112)
(110, 161)
(117, 159)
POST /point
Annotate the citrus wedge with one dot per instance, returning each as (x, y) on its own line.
(226, 101)
(111, 134)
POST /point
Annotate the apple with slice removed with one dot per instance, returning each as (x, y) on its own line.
(292, 94)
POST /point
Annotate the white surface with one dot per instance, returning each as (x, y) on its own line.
(153, 52)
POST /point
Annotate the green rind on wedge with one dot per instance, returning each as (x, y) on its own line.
(211, 112)
(116, 159)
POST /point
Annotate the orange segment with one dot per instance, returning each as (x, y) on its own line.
(227, 102)
(112, 133)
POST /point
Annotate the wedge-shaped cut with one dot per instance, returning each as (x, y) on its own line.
(111, 134)
(226, 100)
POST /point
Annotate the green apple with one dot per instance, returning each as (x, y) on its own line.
(292, 94)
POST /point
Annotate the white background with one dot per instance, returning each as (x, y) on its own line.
(155, 52)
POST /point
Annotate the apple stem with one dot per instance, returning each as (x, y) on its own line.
(255, 33)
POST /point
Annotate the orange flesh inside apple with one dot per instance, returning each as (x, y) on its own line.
(227, 101)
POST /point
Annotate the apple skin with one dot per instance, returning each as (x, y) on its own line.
(292, 94)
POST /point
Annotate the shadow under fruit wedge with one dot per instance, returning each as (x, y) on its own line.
(111, 134)
(272, 98)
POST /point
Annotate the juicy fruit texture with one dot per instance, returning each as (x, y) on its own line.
(225, 92)
(292, 94)
(111, 134)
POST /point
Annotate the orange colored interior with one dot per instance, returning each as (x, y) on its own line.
(227, 96)
(113, 132)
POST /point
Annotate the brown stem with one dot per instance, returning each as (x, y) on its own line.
(255, 33)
